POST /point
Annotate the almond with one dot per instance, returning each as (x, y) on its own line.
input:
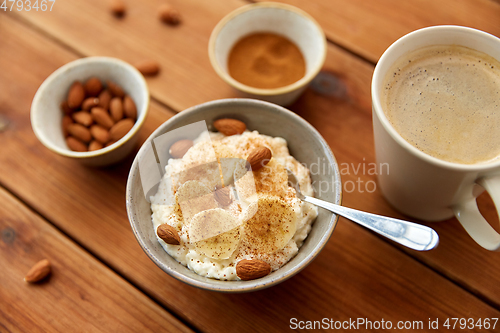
(89, 103)
(75, 144)
(104, 99)
(93, 87)
(148, 67)
(65, 107)
(99, 133)
(259, 157)
(252, 269)
(102, 117)
(95, 145)
(115, 89)
(223, 196)
(66, 121)
(129, 107)
(229, 126)
(168, 234)
(76, 95)
(80, 132)
(169, 15)
(180, 148)
(121, 128)
(38, 272)
(83, 117)
(116, 108)
(117, 7)
(110, 143)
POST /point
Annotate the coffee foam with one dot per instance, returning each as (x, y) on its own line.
(445, 101)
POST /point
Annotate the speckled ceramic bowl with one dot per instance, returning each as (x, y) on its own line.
(304, 143)
(46, 114)
(285, 20)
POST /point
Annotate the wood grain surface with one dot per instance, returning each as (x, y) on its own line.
(367, 28)
(81, 294)
(358, 274)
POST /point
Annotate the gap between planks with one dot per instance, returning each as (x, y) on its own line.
(70, 49)
(98, 258)
(340, 46)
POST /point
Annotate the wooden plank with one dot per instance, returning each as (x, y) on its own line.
(81, 294)
(369, 27)
(357, 275)
(182, 51)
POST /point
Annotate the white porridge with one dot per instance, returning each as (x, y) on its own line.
(257, 217)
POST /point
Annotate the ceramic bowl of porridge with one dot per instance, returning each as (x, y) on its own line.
(208, 199)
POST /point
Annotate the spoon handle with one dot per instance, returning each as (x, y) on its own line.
(412, 235)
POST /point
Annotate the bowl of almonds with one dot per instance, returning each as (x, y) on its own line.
(91, 110)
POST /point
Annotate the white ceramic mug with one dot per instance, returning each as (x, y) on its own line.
(420, 185)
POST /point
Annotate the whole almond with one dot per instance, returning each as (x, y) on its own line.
(117, 7)
(259, 157)
(80, 132)
(109, 143)
(148, 67)
(38, 272)
(83, 117)
(65, 107)
(168, 234)
(129, 107)
(121, 128)
(75, 144)
(252, 269)
(95, 145)
(179, 148)
(66, 121)
(89, 103)
(116, 108)
(229, 126)
(101, 117)
(93, 87)
(223, 196)
(115, 89)
(169, 15)
(76, 95)
(99, 133)
(104, 99)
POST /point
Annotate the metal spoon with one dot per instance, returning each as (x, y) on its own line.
(412, 235)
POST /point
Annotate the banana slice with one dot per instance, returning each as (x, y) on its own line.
(269, 225)
(272, 179)
(245, 185)
(232, 169)
(215, 233)
(208, 174)
(194, 197)
(222, 151)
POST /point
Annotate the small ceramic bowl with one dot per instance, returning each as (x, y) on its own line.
(284, 20)
(46, 113)
(304, 143)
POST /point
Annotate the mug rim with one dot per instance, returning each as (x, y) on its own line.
(308, 77)
(379, 112)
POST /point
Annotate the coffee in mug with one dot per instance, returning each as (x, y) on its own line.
(444, 100)
(436, 124)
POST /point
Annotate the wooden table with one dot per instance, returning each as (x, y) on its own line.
(52, 207)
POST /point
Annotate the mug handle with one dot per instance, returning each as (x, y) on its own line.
(474, 223)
